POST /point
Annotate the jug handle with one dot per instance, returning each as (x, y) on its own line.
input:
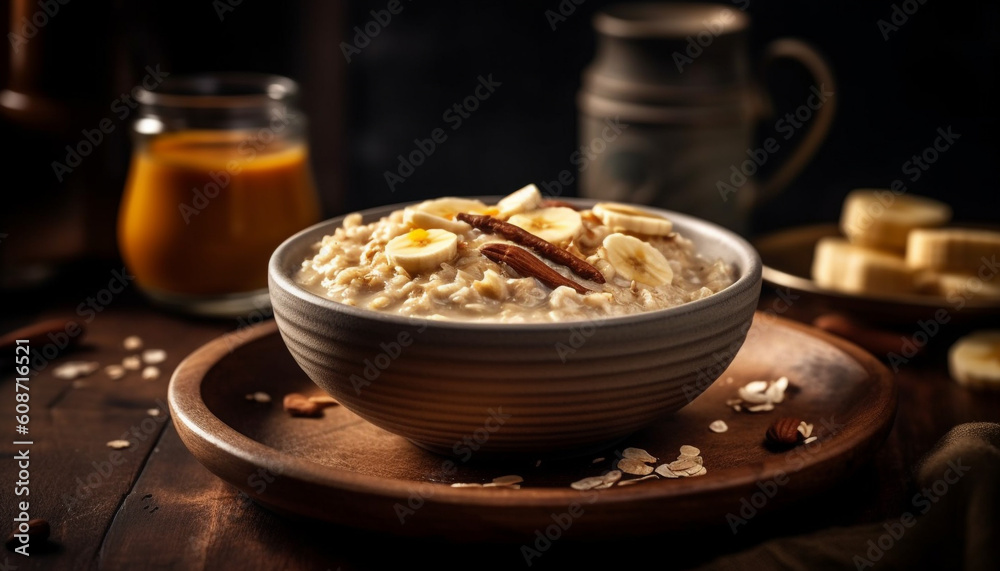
(787, 48)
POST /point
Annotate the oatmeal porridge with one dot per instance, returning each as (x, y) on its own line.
(521, 260)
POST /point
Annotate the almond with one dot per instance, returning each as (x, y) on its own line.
(785, 431)
(300, 405)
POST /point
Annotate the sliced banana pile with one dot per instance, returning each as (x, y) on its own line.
(840, 265)
(625, 218)
(435, 233)
(951, 249)
(422, 250)
(882, 220)
(440, 213)
(521, 200)
(556, 225)
(895, 244)
(633, 258)
(974, 360)
(637, 260)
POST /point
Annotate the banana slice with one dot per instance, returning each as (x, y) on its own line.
(440, 213)
(952, 249)
(625, 218)
(950, 286)
(842, 266)
(882, 219)
(421, 250)
(522, 200)
(636, 260)
(557, 225)
(974, 360)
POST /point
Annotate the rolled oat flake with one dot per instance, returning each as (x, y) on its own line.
(687, 450)
(638, 454)
(634, 467)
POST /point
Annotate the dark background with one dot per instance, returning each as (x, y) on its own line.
(939, 69)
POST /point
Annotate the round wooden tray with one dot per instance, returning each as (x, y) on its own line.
(787, 256)
(342, 469)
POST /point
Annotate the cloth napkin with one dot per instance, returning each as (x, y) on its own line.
(961, 530)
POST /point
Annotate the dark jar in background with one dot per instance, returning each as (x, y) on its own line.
(670, 105)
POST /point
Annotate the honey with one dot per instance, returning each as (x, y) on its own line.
(204, 209)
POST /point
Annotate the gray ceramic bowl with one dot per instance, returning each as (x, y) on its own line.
(469, 389)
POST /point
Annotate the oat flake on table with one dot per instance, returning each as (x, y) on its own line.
(114, 372)
(587, 483)
(634, 467)
(75, 369)
(638, 454)
(154, 356)
(259, 396)
(689, 463)
(760, 396)
(637, 480)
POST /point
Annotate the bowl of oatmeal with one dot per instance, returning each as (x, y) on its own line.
(515, 325)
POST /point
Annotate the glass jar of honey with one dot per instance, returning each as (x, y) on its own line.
(219, 178)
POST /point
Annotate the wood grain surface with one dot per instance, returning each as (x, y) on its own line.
(161, 509)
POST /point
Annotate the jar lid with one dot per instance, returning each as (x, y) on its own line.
(668, 20)
(220, 91)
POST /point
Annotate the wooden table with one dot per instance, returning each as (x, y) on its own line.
(159, 508)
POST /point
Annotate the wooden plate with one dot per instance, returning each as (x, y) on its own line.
(788, 255)
(342, 469)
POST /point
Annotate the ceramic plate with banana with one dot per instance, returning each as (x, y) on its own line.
(902, 245)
